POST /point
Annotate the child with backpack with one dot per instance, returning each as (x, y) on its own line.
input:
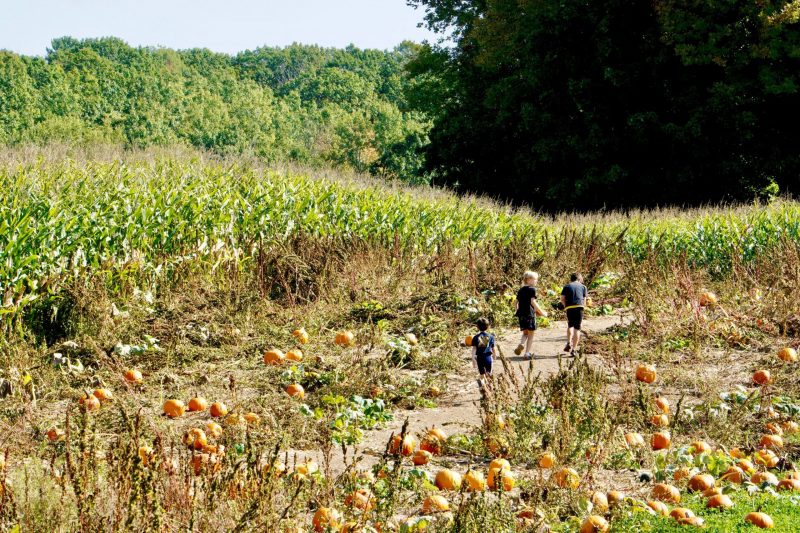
(527, 311)
(483, 349)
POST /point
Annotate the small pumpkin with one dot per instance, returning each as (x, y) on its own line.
(274, 357)
(766, 458)
(646, 373)
(252, 419)
(789, 484)
(344, 338)
(707, 299)
(198, 404)
(790, 427)
(361, 499)
(773, 429)
(468, 341)
(634, 439)
(195, 438)
(734, 474)
(679, 513)
(664, 492)
(746, 465)
(762, 377)
(787, 354)
(326, 519)
(214, 429)
(475, 481)
(421, 457)
(301, 335)
(435, 503)
(660, 508)
(660, 421)
(594, 524)
(295, 390)
(660, 440)
(760, 478)
(719, 501)
(89, 402)
(600, 502)
(174, 408)
(500, 477)
(700, 446)
(406, 448)
(615, 498)
(447, 479)
(218, 410)
(294, 355)
(547, 460)
(662, 404)
(771, 442)
(566, 478)
(762, 520)
(133, 376)
(55, 435)
(103, 395)
(499, 464)
(701, 482)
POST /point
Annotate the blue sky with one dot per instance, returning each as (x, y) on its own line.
(28, 26)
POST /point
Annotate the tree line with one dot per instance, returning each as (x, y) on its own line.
(318, 106)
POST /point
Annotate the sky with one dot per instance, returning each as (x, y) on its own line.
(28, 26)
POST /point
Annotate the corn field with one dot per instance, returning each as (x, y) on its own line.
(59, 221)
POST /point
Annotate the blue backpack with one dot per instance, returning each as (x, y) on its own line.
(483, 343)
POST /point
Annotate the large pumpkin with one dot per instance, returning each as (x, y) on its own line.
(646, 373)
(660, 440)
(448, 480)
(666, 493)
(274, 357)
(198, 404)
(174, 408)
(701, 482)
(594, 524)
(475, 481)
(762, 520)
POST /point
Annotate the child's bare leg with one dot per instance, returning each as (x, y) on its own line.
(529, 342)
(576, 338)
(570, 332)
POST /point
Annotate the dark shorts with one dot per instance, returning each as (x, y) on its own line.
(575, 317)
(527, 323)
(484, 365)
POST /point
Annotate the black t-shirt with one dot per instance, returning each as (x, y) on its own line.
(524, 295)
(574, 294)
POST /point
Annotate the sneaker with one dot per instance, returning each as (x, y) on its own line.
(567, 348)
(528, 356)
(518, 349)
(572, 353)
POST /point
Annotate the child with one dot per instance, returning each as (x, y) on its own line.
(527, 311)
(573, 298)
(483, 348)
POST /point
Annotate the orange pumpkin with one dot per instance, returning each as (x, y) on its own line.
(301, 335)
(600, 502)
(499, 464)
(771, 442)
(683, 472)
(762, 377)
(566, 478)
(719, 501)
(274, 357)
(594, 524)
(421, 457)
(615, 497)
(760, 478)
(695, 521)
(708, 298)
(103, 394)
(252, 418)
(766, 458)
(746, 465)
(195, 438)
(790, 427)
(361, 499)
(89, 403)
(500, 477)
(435, 503)
(448, 480)
(307, 467)
(701, 482)
(634, 439)
(198, 404)
(295, 390)
(547, 460)
(713, 491)
(660, 440)
(409, 444)
(794, 474)
(661, 421)
(133, 376)
(431, 445)
(294, 355)
(789, 484)
(344, 338)
(218, 409)
(55, 435)
(662, 404)
(762, 520)
(700, 446)
(326, 519)
(660, 508)
(736, 453)
(174, 408)
(773, 429)
(146, 455)
(468, 340)
(734, 474)
(666, 493)
(679, 513)
(787, 354)
(475, 481)
(646, 373)
(214, 429)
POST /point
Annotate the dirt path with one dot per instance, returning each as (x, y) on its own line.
(458, 410)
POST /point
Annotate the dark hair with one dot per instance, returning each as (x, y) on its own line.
(482, 323)
(574, 276)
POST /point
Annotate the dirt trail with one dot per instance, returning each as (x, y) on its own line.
(458, 409)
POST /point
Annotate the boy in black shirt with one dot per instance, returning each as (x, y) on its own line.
(527, 311)
(573, 298)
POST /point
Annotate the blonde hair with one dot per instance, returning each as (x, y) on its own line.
(530, 274)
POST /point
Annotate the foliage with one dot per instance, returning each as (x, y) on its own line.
(576, 106)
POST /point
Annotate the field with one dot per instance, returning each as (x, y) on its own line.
(317, 321)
